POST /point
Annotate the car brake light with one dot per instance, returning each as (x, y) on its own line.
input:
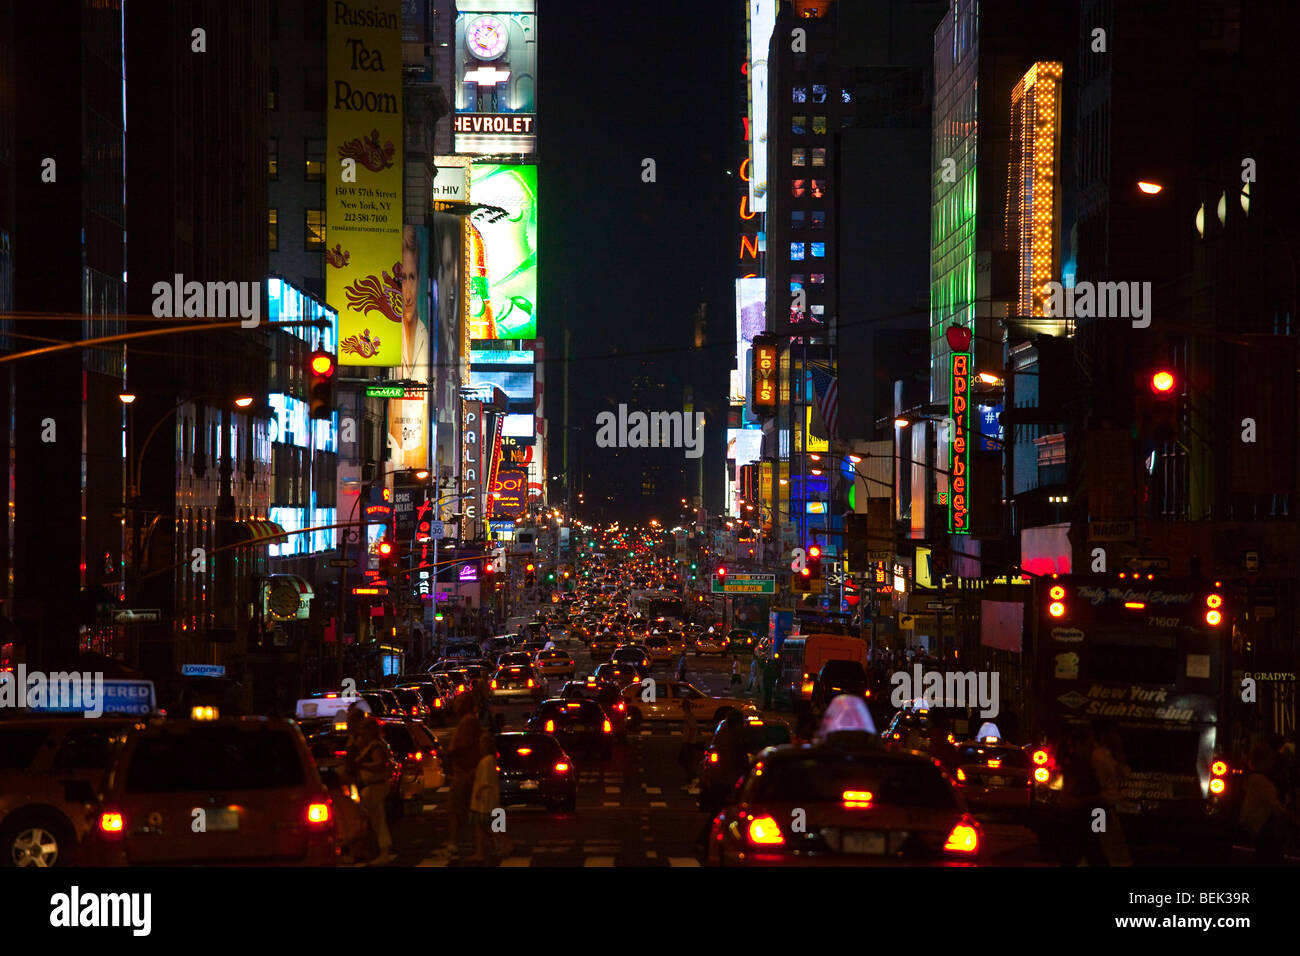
(995, 763)
(1041, 775)
(494, 683)
(609, 728)
(764, 831)
(340, 753)
(1217, 785)
(110, 822)
(961, 775)
(857, 799)
(1219, 768)
(550, 726)
(318, 813)
(964, 838)
(620, 707)
(713, 757)
(561, 768)
(524, 751)
(415, 756)
(437, 702)
(530, 682)
(1040, 757)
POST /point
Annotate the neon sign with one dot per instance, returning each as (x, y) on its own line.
(959, 460)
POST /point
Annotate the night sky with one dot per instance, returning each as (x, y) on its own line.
(623, 263)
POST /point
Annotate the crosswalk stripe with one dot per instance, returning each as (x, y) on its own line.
(611, 803)
(599, 861)
(612, 789)
(683, 861)
(517, 861)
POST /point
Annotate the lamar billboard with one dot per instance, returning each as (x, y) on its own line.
(363, 175)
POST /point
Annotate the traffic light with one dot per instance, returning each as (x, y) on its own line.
(387, 557)
(1158, 397)
(814, 566)
(320, 387)
(722, 572)
(529, 577)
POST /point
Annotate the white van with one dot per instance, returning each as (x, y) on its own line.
(328, 706)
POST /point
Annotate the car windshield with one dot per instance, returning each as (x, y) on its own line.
(825, 778)
(843, 671)
(214, 758)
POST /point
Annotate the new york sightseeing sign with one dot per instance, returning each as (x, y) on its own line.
(959, 339)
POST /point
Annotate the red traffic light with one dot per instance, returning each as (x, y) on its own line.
(1163, 382)
(806, 572)
(385, 548)
(322, 364)
(814, 552)
(529, 568)
(722, 572)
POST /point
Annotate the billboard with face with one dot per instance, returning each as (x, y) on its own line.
(503, 252)
(363, 180)
(496, 77)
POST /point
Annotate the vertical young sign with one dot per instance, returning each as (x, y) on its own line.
(363, 180)
(959, 459)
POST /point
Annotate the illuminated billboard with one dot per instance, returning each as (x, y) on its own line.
(518, 386)
(959, 459)
(363, 193)
(750, 316)
(471, 467)
(501, 357)
(762, 20)
(503, 252)
(510, 492)
(496, 77)
(408, 432)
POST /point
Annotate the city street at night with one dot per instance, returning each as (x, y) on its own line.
(449, 437)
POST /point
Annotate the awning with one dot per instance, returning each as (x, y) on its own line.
(262, 530)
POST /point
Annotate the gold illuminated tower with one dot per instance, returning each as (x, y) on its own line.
(1034, 193)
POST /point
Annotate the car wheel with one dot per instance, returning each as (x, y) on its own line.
(38, 840)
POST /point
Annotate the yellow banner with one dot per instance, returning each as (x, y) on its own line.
(363, 177)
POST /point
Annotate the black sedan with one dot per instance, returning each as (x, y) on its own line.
(607, 694)
(579, 725)
(535, 771)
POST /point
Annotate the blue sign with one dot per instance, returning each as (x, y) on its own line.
(204, 670)
(128, 697)
(990, 428)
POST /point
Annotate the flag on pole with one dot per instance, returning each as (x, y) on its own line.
(826, 390)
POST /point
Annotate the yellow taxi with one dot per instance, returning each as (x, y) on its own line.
(555, 663)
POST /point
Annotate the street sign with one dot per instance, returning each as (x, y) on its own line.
(137, 616)
(203, 670)
(437, 530)
(343, 562)
(1111, 530)
(745, 584)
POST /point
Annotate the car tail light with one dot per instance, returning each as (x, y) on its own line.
(550, 726)
(995, 763)
(437, 702)
(1041, 757)
(857, 799)
(494, 683)
(415, 756)
(964, 838)
(318, 813)
(1219, 768)
(713, 757)
(764, 831)
(561, 768)
(1041, 775)
(608, 728)
(460, 688)
(1217, 786)
(530, 682)
(111, 822)
(961, 775)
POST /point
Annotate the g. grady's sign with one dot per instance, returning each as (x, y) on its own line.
(958, 509)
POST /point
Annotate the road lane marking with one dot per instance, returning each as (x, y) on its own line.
(613, 803)
(650, 789)
(683, 861)
(658, 803)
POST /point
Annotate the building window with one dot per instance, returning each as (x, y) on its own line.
(819, 219)
(799, 156)
(798, 125)
(315, 231)
(798, 188)
(273, 91)
(315, 160)
(797, 219)
(819, 125)
(846, 96)
(273, 224)
(819, 250)
(819, 189)
(819, 93)
(313, 89)
(819, 156)
(273, 158)
(819, 278)
(796, 251)
(801, 61)
(799, 94)
(818, 314)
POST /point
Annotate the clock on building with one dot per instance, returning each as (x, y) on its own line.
(486, 37)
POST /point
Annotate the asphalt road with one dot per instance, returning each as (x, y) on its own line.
(633, 810)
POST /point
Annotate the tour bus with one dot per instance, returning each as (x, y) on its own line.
(652, 605)
(1149, 655)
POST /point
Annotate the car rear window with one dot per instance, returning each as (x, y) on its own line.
(214, 758)
(514, 673)
(399, 738)
(573, 710)
(1011, 757)
(825, 778)
(765, 735)
(19, 746)
(843, 671)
